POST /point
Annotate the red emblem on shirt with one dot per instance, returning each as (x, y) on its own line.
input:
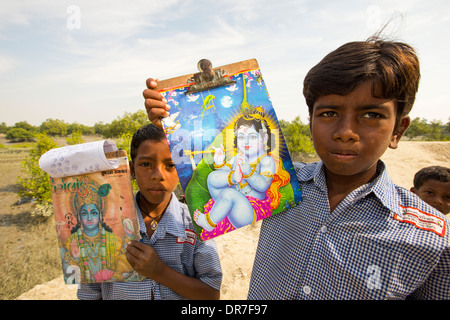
(422, 220)
(191, 236)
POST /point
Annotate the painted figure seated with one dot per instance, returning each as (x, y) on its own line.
(239, 187)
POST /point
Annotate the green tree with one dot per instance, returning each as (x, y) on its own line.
(54, 127)
(418, 127)
(21, 131)
(298, 138)
(25, 125)
(128, 123)
(20, 134)
(74, 138)
(435, 130)
(124, 143)
(99, 127)
(3, 127)
(76, 127)
(35, 182)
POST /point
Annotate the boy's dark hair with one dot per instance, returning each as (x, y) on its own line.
(438, 173)
(147, 132)
(393, 68)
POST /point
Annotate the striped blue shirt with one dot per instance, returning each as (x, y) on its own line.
(381, 242)
(173, 242)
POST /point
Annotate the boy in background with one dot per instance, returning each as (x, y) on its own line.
(432, 185)
(355, 235)
(175, 263)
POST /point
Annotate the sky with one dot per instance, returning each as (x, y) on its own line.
(87, 61)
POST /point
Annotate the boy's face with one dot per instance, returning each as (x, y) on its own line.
(154, 171)
(436, 193)
(351, 132)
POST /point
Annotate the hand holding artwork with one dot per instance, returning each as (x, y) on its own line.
(144, 259)
(155, 104)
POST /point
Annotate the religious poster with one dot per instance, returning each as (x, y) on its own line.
(227, 146)
(94, 210)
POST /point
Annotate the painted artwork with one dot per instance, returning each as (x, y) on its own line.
(231, 157)
(95, 218)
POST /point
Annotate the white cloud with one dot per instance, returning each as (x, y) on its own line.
(7, 64)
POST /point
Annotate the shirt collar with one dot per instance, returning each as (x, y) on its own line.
(382, 187)
(385, 190)
(171, 221)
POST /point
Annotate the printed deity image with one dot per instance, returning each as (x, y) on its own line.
(231, 157)
(95, 217)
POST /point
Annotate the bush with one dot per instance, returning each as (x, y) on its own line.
(20, 134)
(54, 127)
(421, 129)
(298, 138)
(36, 183)
(127, 124)
(124, 143)
(81, 128)
(75, 138)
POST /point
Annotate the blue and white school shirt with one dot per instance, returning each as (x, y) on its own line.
(177, 246)
(381, 242)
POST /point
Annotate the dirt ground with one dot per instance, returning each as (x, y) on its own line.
(236, 249)
(11, 212)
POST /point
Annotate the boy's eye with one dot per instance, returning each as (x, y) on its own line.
(328, 114)
(373, 115)
(145, 164)
(170, 165)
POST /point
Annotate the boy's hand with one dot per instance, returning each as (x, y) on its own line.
(155, 104)
(146, 262)
(144, 259)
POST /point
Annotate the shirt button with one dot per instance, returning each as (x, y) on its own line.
(306, 289)
(323, 229)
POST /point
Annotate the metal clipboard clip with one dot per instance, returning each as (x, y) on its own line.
(207, 78)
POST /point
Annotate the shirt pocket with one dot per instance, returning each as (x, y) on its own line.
(171, 254)
(376, 269)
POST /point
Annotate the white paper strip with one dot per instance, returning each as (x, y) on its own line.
(78, 159)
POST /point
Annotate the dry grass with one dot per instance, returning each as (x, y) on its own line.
(28, 246)
(28, 258)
